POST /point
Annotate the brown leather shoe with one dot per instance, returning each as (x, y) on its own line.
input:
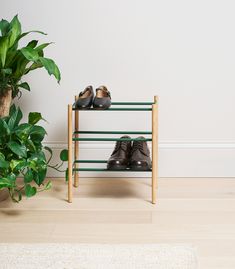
(140, 156)
(102, 99)
(119, 159)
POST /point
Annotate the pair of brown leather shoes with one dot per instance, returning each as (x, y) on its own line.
(86, 98)
(126, 154)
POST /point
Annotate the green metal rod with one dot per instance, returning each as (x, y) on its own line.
(90, 161)
(133, 103)
(107, 170)
(116, 109)
(113, 132)
(110, 139)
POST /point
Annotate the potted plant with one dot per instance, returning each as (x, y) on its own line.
(22, 154)
(16, 62)
(21, 149)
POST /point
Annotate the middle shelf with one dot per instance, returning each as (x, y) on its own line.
(75, 138)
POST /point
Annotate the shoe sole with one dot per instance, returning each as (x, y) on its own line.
(140, 168)
(102, 108)
(117, 167)
(83, 108)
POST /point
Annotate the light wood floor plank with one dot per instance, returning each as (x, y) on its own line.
(200, 212)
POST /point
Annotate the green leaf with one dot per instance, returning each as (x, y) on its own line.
(51, 67)
(64, 155)
(14, 164)
(15, 118)
(48, 186)
(24, 85)
(4, 129)
(4, 41)
(6, 71)
(12, 177)
(42, 46)
(19, 63)
(5, 183)
(11, 58)
(39, 156)
(34, 117)
(29, 190)
(67, 174)
(23, 130)
(17, 165)
(32, 44)
(30, 145)
(26, 33)
(30, 54)
(12, 109)
(37, 133)
(18, 149)
(15, 31)
(41, 174)
(4, 27)
(33, 67)
(28, 177)
(33, 165)
(3, 162)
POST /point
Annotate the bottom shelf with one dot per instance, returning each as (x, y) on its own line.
(107, 170)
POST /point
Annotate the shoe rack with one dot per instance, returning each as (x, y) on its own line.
(73, 138)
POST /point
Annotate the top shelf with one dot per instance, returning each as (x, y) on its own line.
(131, 108)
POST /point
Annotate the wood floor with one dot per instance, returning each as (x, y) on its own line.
(200, 212)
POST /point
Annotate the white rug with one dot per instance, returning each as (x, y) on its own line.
(97, 256)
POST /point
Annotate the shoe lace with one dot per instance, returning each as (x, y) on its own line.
(139, 145)
(120, 145)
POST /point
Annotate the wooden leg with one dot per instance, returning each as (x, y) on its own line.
(154, 149)
(70, 156)
(76, 149)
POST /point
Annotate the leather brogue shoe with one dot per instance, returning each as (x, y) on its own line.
(140, 156)
(119, 159)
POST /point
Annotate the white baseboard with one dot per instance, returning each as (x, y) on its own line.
(194, 159)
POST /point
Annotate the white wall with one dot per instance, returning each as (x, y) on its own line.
(184, 51)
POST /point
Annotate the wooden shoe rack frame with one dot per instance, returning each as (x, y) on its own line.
(73, 138)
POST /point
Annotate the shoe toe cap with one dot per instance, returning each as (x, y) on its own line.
(140, 164)
(116, 162)
(102, 103)
(83, 103)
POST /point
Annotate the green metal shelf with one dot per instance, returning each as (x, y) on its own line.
(90, 161)
(122, 108)
(102, 169)
(113, 132)
(133, 103)
(107, 170)
(110, 139)
(115, 109)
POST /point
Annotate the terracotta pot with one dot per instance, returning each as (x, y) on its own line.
(5, 103)
(4, 194)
